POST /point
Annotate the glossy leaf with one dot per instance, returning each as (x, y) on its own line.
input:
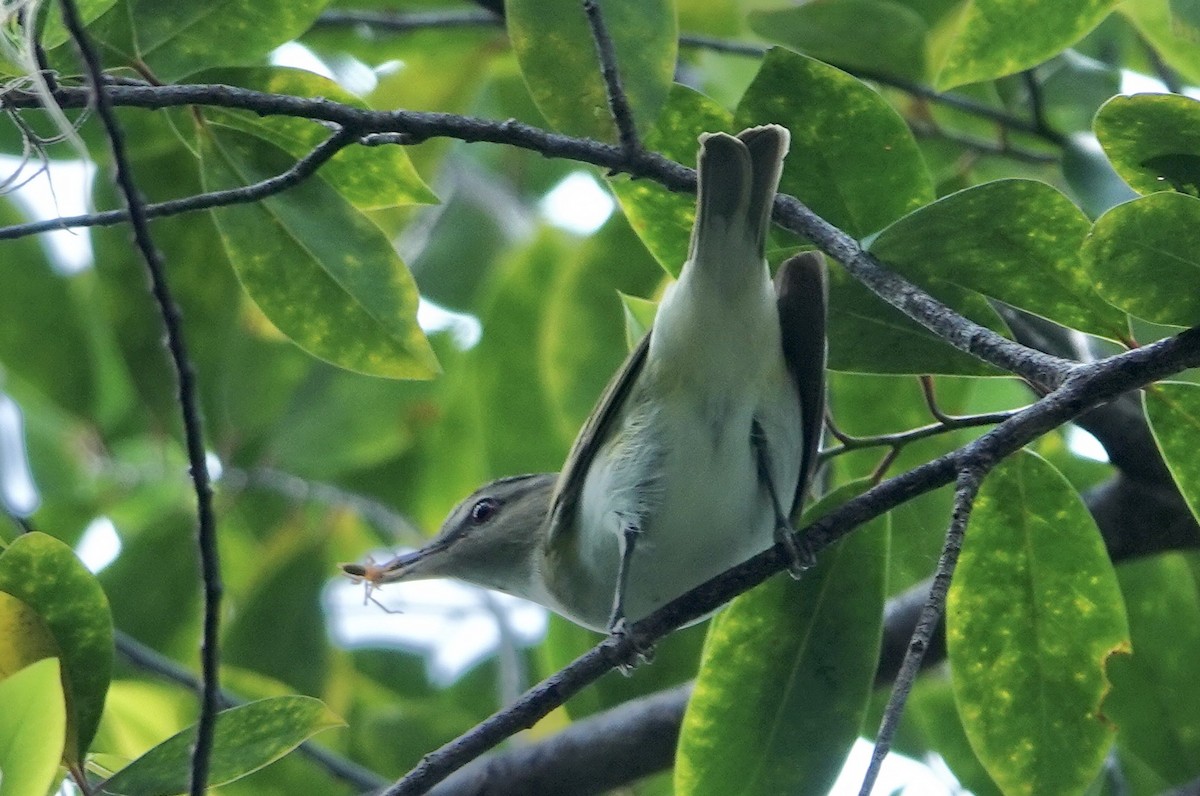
(323, 273)
(44, 573)
(558, 60)
(27, 638)
(55, 33)
(247, 738)
(1173, 410)
(581, 342)
(786, 674)
(880, 36)
(860, 183)
(175, 39)
(986, 39)
(931, 706)
(1153, 141)
(1176, 45)
(1144, 257)
(663, 219)
(370, 178)
(868, 335)
(1033, 617)
(1013, 240)
(33, 729)
(1154, 701)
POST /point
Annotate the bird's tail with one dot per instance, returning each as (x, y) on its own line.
(736, 182)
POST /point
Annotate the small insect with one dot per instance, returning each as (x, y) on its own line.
(371, 576)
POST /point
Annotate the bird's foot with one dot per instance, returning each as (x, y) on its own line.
(637, 654)
(800, 555)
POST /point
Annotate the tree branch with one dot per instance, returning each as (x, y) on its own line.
(188, 400)
(792, 214)
(302, 170)
(970, 478)
(1088, 386)
(618, 101)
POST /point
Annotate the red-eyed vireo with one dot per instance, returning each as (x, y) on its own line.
(700, 448)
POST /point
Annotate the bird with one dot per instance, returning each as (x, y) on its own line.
(700, 449)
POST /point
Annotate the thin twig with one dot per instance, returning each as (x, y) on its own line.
(930, 395)
(188, 401)
(149, 660)
(970, 477)
(982, 146)
(1088, 386)
(300, 171)
(404, 22)
(618, 101)
(849, 443)
(1037, 104)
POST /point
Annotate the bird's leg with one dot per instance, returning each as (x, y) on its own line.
(800, 557)
(618, 626)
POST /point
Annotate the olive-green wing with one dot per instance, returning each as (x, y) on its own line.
(802, 291)
(595, 432)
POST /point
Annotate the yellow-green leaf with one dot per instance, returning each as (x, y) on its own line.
(46, 575)
(1034, 615)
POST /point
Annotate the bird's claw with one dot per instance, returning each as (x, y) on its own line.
(638, 653)
(800, 556)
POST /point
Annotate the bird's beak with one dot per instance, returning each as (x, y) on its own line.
(405, 566)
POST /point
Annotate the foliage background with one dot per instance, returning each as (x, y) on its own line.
(319, 464)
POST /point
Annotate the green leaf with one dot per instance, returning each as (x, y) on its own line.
(48, 347)
(1173, 409)
(582, 340)
(27, 638)
(518, 419)
(370, 178)
(1017, 241)
(880, 36)
(173, 39)
(558, 59)
(868, 335)
(787, 673)
(639, 317)
(1187, 13)
(1144, 257)
(55, 33)
(931, 707)
(248, 738)
(1175, 44)
(661, 218)
(986, 39)
(1154, 701)
(1033, 616)
(860, 182)
(44, 573)
(282, 615)
(325, 275)
(33, 729)
(1153, 141)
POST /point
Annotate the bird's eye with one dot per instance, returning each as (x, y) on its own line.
(483, 510)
